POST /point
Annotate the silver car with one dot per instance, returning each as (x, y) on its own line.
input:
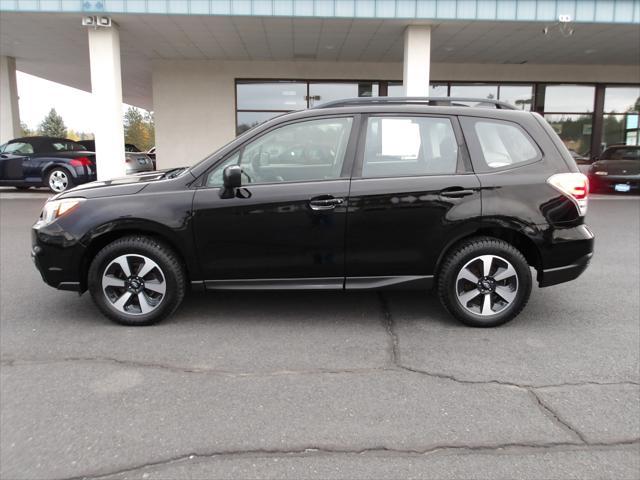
(137, 161)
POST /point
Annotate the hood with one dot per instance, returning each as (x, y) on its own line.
(617, 167)
(118, 186)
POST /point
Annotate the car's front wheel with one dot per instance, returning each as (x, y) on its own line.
(137, 280)
(484, 282)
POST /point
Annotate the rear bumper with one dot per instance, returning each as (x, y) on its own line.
(607, 183)
(553, 276)
(566, 255)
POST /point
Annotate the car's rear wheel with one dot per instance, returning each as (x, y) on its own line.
(137, 280)
(59, 180)
(484, 282)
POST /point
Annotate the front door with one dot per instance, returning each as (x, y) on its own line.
(410, 194)
(285, 227)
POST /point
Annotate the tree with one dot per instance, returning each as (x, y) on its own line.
(26, 131)
(53, 125)
(139, 128)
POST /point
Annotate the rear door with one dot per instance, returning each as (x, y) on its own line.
(412, 192)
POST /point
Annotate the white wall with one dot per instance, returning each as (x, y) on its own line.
(194, 101)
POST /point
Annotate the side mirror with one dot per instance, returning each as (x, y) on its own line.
(231, 179)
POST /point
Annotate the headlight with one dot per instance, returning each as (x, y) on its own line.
(600, 172)
(57, 208)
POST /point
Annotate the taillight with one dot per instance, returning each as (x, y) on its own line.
(574, 185)
(81, 162)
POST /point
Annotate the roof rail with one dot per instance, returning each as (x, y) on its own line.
(431, 101)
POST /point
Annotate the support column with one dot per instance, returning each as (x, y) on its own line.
(9, 112)
(417, 60)
(106, 86)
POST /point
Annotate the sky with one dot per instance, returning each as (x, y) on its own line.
(38, 96)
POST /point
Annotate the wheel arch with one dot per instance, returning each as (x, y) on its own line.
(511, 235)
(110, 233)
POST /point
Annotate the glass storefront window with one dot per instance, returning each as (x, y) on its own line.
(395, 89)
(567, 98)
(320, 93)
(621, 99)
(574, 130)
(520, 96)
(475, 91)
(247, 120)
(283, 96)
(620, 129)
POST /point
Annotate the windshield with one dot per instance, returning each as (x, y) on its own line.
(621, 153)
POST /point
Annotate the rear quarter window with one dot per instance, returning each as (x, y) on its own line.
(498, 144)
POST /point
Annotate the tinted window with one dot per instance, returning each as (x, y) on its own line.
(283, 96)
(63, 146)
(621, 154)
(303, 151)
(17, 148)
(399, 146)
(504, 144)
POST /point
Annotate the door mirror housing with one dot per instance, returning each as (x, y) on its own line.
(231, 179)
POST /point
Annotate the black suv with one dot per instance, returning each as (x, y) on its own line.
(357, 194)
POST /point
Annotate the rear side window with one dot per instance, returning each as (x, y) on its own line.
(65, 146)
(403, 146)
(499, 144)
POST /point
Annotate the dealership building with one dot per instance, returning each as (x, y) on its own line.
(210, 69)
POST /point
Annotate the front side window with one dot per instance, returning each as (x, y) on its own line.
(404, 146)
(504, 144)
(298, 152)
(17, 148)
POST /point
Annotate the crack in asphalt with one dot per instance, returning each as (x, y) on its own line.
(388, 323)
(315, 450)
(556, 418)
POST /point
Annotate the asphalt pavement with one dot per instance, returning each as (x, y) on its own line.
(323, 385)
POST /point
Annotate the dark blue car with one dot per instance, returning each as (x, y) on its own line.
(56, 163)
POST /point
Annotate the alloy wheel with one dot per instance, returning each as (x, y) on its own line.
(58, 181)
(134, 284)
(486, 285)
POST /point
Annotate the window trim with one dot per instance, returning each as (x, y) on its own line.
(475, 148)
(347, 163)
(461, 163)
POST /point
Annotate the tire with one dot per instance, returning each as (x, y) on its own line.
(463, 285)
(59, 180)
(142, 297)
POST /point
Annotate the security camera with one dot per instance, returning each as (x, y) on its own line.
(88, 21)
(104, 21)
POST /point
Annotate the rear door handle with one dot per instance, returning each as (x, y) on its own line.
(325, 203)
(456, 192)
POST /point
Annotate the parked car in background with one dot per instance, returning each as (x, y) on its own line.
(361, 194)
(137, 161)
(56, 163)
(616, 170)
(152, 154)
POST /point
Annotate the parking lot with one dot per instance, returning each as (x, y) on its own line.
(323, 385)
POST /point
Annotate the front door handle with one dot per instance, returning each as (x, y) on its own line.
(456, 192)
(325, 203)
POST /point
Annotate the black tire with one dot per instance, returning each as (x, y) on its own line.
(59, 171)
(464, 253)
(170, 269)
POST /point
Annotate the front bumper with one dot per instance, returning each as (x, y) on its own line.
(57, 256)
